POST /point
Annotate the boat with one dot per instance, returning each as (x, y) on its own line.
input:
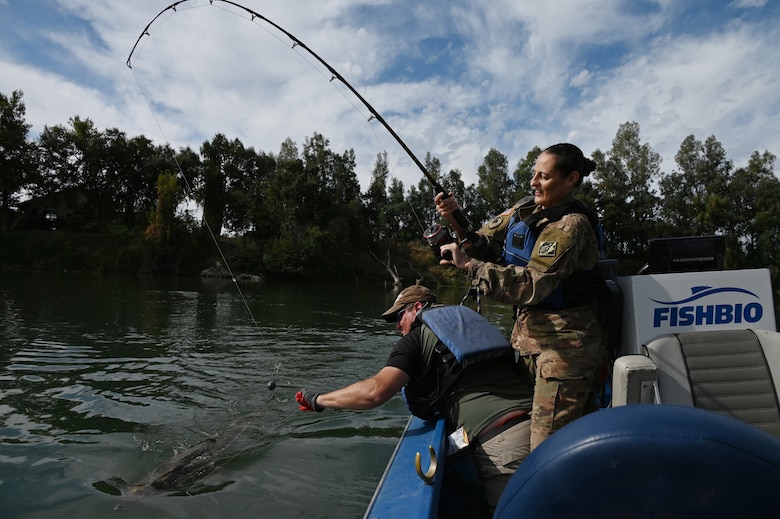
(690, 426)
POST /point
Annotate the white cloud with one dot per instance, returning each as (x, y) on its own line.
(718, 85)
(749, 4)
(507, 75)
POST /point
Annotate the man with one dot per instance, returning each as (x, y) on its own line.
(452, 361)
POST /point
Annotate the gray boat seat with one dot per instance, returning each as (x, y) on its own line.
(731, 372)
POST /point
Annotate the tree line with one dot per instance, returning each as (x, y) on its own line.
(300, 212)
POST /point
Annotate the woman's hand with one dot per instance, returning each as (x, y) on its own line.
(459, 258)
(447, 206)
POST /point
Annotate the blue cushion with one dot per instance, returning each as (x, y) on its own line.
(648, 461)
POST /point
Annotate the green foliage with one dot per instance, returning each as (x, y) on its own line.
(524, 172)
(299, 213)
(696, 196)
(627, 201)
(17, 158)
(494, 188)
(162, 217)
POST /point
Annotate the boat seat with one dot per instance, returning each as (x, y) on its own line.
(732, 372)
(640, 461)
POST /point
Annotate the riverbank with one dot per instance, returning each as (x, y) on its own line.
(126, 253)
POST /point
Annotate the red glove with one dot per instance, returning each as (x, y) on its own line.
(308, 400)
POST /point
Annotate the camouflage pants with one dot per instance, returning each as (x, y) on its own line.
(564, 383)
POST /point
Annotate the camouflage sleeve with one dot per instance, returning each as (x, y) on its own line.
(563, 247)
(494, 232)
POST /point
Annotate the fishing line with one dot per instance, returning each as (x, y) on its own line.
(297, 46)
(255, 18)
(271, 385)
(191, 193)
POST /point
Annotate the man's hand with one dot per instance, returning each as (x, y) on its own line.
(308, 400)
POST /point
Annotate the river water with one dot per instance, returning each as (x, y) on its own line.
(103, 378)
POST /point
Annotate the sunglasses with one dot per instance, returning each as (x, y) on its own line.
(400, 313)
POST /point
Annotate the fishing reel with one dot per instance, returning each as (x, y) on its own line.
(436, 236)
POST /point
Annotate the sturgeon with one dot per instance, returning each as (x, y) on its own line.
(195, 463)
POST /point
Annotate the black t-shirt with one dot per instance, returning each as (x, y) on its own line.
(481, 393)
(407, 352)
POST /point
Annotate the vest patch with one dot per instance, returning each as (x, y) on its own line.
(548, 249)
(495, 222)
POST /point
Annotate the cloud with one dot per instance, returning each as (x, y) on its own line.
(703, 86)
(451, 78)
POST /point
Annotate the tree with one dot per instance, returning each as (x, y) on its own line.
(333, 200)
(246, 179)
(138, 167)
(379, 219)
(627, 201)
(398, 210)
(696, 198)
(74, 159)
(421, 212)
(375, 201)
(262, 219)
(132, 167)
(766, 228)
(494, 188)
(55, 165)
(755, 208)
(91, 173)
(217, 156)
(17, 158)
(164, 215)
(524, 172)
(316, 196)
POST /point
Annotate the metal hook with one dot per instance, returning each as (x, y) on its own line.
(428, 476)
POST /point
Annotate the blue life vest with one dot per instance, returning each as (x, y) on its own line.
(462, 338)
(520, 242)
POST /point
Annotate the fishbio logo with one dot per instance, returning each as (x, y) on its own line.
(687, 313)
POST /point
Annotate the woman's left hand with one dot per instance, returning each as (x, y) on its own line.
(459, 258)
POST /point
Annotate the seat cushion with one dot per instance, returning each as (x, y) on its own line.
(648, 461)
(724, 371)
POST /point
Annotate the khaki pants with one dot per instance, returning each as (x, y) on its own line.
(498, 458)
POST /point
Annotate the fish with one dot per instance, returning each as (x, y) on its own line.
(187, 468)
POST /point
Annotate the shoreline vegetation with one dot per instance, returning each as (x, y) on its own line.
(80, 198)
(107, 253)
(125, 253)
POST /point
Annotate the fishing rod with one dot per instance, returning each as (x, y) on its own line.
(459, 215)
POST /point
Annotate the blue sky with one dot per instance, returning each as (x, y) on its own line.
(454, 78)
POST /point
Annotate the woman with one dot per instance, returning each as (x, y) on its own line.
(540, 256)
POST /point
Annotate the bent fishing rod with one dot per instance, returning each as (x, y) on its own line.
(459, 215)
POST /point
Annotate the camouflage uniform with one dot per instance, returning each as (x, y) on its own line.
(561, 348)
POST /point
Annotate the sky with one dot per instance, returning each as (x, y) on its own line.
(453, 78)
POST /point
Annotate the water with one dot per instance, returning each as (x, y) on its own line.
(102, 378)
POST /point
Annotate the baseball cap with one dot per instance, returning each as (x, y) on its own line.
(408, 295)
